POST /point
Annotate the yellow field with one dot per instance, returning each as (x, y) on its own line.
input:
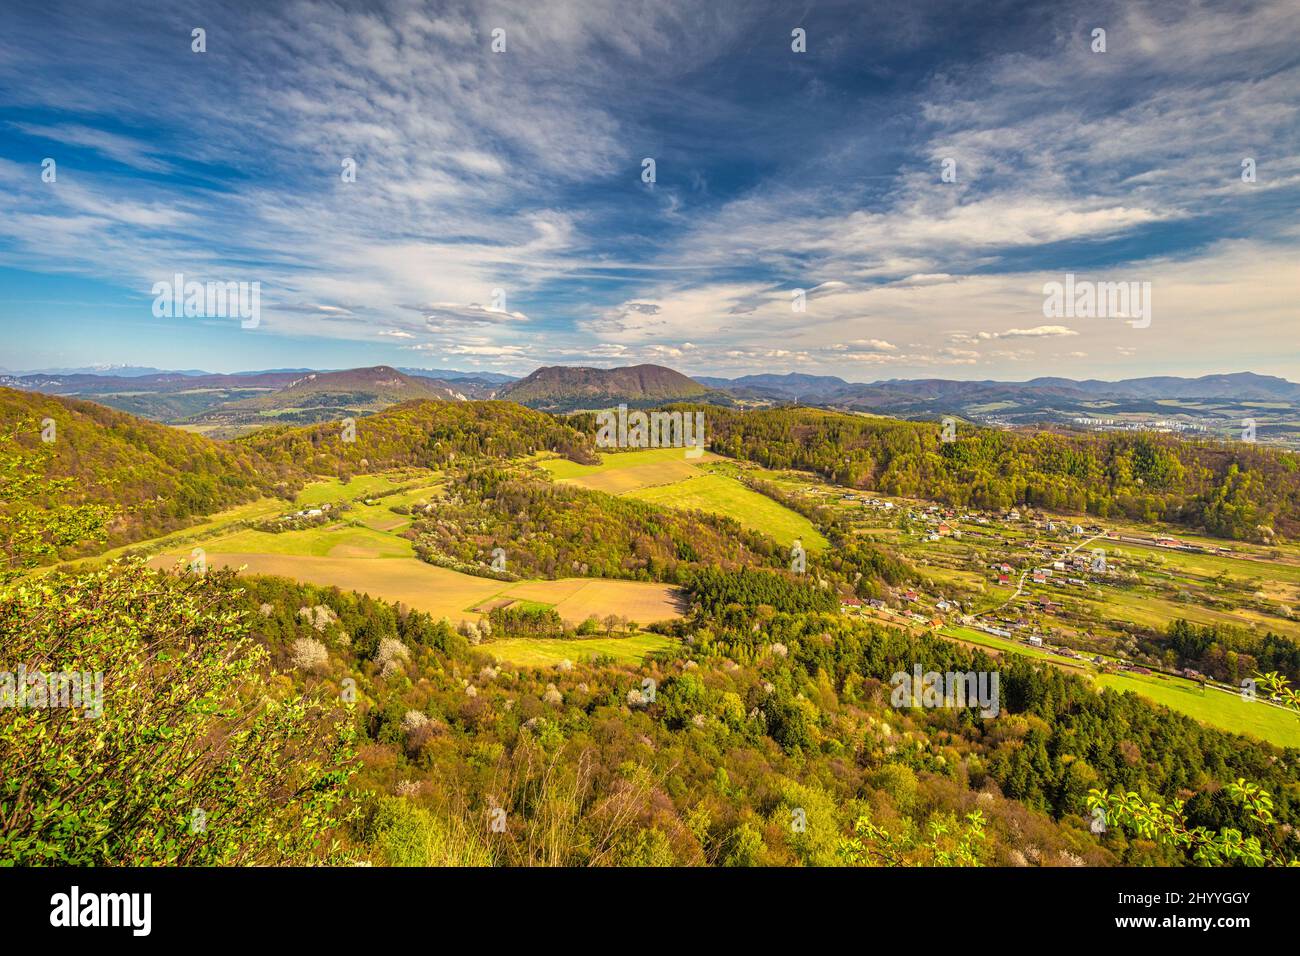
(450, 594)
(628, 471)
(541, 652)
(576, 599)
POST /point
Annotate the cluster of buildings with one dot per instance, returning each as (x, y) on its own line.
(911, 606)
(877, 504)
(1061, 565)
(1155, 425)
(306, 513)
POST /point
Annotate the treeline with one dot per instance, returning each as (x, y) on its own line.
(713, 590)
(1230, 653)
(850, 563)
(282, 611)
(423, 434)
(825, 517)
(868, 568)
(278, 524)
(1231, 490)
(157, 478)
(549, 530)
(525, 621)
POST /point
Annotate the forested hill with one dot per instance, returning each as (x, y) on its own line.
(561, 388)
(422, 433)
(159, 478)
(1234, 490)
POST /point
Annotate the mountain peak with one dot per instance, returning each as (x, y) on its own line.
(564, 387)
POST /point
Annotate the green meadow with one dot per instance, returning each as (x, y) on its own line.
(342, 540)
(719, 494)
(613, 461)
(664, 476)
(1215, 707)
(219, 527)
(1210, 706)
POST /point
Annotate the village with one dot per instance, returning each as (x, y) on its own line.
(1022, 580)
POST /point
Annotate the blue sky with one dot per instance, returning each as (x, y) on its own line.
(521, 171)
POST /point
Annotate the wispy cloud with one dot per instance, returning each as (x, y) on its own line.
(519, 173)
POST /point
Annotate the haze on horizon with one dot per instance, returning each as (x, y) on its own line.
(499, 218)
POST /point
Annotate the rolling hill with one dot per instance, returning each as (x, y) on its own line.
(158, 477)
(161, 478)
(485, 379)
(161, 396)
(793, 386)
(424, 433)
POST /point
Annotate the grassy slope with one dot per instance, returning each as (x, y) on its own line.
(727, 496)
(312, 495)
(1214, 707)
(328, 541)
(664, 476)
(562, 468)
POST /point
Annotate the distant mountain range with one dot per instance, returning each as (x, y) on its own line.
(225, 405)
(118, 371)
(1209, 406)
(136, 371)
(795, 386)
(452, 375)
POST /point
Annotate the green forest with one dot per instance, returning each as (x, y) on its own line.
(314, 725)
(424, 433)
(159, 478)
(1230, 490)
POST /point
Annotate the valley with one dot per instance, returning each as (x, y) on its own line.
(491, 547)
(1082, 625)
(363, 550)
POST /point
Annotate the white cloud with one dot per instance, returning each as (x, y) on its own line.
(478, 172)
